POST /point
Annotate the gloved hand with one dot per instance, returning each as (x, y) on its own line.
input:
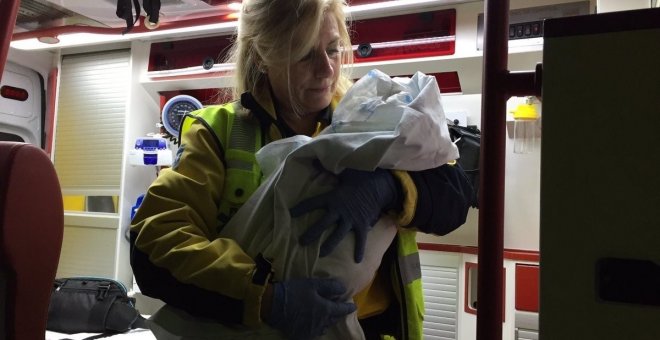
(304, 308)
(355, 204)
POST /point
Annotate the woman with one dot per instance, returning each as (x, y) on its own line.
(288, 56)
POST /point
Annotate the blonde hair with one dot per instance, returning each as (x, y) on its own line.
(280, 32)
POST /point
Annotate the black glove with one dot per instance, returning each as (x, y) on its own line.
(355, 204)
(304, 308)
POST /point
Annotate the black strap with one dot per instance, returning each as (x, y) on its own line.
(139, 323)
(264, 269)
(99, 312)
(152, 8)
(125, 11)
(264, 118)
(97, 336)
(249, 102)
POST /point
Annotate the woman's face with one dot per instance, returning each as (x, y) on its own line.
(314, 78)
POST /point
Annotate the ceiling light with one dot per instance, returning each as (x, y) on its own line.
(208, 27)
(234, 6)
(48, 40)
(386, 7)
(82, 39)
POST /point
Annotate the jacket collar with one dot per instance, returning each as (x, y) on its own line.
(264, 101)
(262, 107)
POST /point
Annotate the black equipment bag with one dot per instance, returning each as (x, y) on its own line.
(92, 305)
(468, 141)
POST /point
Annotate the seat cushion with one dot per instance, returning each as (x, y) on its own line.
(31, 229)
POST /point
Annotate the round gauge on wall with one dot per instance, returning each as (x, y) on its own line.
(175, 109)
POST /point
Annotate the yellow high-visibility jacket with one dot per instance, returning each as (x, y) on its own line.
(176, 253)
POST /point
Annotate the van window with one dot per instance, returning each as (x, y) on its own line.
(22, 107)
(9, 137)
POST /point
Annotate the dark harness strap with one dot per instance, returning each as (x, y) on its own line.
(125, 11)
(152, 8)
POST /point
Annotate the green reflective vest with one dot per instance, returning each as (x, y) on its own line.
(239, 139)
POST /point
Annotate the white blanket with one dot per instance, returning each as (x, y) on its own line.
(391, 123)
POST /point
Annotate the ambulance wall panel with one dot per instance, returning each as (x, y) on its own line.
(88, 246)
(88, 155)
(440, 283)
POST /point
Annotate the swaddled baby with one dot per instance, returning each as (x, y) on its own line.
(382, 122)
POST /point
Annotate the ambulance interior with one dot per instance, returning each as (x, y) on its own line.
(83, 87)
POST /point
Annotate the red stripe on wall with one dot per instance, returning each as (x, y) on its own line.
(51, 95)
(509, 254)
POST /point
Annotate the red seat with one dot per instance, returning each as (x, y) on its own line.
(31, 228)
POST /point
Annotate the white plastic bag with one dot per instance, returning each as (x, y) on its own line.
(395, 123)
(404, 117)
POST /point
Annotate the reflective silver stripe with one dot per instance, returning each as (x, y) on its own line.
(411, 269)
(243, 137)
(239, 164)
(243, 134)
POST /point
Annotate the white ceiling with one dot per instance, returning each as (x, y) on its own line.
(42, 14)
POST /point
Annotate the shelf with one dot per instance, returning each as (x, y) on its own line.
(467, 60)
(522, 58)
(91, 220)
(194, 80)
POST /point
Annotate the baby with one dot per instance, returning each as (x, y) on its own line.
(382, 122)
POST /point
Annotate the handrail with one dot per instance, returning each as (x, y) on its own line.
(498, 86)
(9, 10)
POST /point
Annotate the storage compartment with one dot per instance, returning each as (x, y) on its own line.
(200, 52)
(425, 34)
(470, 304)
(527, 288)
